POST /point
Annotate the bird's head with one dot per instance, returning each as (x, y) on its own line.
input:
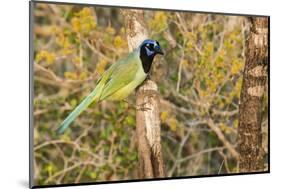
(148, 49)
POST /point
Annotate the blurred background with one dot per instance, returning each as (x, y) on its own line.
(199, 81)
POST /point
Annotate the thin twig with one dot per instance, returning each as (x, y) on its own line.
(222, 138)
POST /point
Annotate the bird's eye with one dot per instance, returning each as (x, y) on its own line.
(151, 46)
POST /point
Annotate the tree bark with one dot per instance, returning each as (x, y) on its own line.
(251, 156)
(150, 157)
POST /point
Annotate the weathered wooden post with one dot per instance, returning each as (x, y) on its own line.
(151, 163)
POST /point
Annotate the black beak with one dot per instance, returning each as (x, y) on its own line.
(158, 50)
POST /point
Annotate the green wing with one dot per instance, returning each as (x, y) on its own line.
(117, 76)
(122, 74)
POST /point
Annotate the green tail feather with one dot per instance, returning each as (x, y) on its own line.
(92, 98)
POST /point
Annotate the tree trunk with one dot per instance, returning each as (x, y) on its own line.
(250, 109)
(147, 114)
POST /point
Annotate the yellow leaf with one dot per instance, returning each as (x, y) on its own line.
(73, 102)
(223, 127)
(85, 12)
(110, 30)
(83, 21)
(159, 21)
(101, 66)
(70, 75)
(235, 124)
(118, 41)
(83, 75)
(76, 25)
(164, 116)
(93, 175)
(45, 55)
(184, 63)
(236, 67)
(173, 123)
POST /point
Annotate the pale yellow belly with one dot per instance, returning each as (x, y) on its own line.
(125, 91)
(128, 89)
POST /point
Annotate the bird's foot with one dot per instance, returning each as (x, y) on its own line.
(128, 103)
(141, 107)
(138, 107)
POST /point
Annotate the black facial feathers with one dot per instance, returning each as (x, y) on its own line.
(146, 60)
(148, 49)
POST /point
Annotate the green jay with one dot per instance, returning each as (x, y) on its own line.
(120, 79)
